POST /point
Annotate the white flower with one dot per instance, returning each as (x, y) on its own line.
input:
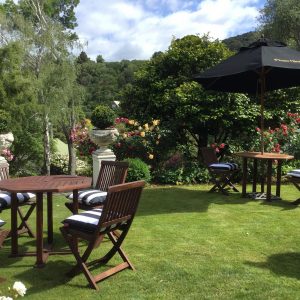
(20, 288)
(5, 298)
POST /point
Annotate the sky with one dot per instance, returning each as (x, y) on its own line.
(135, 29)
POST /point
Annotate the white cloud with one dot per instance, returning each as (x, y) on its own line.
(128, 29)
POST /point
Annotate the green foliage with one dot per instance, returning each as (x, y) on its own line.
(164, 89)
(138, 170)
(103, 116)
(145, 141)
(242, 40)
(60, 165)
(5, 120)
(280, 20)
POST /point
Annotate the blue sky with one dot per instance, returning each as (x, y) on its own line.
(135, 29)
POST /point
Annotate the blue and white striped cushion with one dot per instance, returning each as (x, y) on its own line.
(294, 173)
(87, 221)
(2, 223)
(90, 197)
(224, 166)
(5, 198)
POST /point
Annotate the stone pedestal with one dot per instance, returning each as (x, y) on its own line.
(98, 156)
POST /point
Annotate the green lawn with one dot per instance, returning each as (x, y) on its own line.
(185, 244)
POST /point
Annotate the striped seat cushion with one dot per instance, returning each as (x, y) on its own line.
(2, 223)
(294, 173)
(90, 197)
(5, 198)
(224, 166)
(87, 221)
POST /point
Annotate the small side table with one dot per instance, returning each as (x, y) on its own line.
(269, 158)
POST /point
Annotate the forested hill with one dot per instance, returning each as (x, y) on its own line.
(103, 81)
(236, 42)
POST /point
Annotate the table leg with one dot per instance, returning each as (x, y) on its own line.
(262, 179)
(244, 180)
(75, 202)
(50, 217)
(269, 179)
(254, 176)
(14, 225)
(278, 181)
(39, 230)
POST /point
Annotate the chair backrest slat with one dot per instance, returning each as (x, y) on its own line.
(209, 156)
(121, 203)
(4, 171)
(111, 173)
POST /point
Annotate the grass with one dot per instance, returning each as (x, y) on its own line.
(185, 244)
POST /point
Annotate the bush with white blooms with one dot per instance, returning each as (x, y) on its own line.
(18, 289)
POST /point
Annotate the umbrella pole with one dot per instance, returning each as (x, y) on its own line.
(262, 94)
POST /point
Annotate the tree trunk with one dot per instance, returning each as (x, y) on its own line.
(47, 150)
(72, 157)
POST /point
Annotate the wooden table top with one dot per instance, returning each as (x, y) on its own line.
(265, 155)
(54, 183)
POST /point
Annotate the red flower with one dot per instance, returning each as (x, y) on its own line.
(222, 146)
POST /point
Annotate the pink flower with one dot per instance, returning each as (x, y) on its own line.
(257, 129)
(222, 146)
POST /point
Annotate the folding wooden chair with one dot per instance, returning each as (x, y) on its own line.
(24, 199)
(117, 213)
(220, 172)
(111, 173)
(294, 178)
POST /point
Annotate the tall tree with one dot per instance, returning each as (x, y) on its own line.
(164, 89)
(280, 20)
(46, 45)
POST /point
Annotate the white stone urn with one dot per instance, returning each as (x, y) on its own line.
(103, 137)
(6, 140)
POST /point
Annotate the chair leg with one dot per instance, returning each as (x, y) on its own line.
(83, 265)
(24, 219)
(24, 226)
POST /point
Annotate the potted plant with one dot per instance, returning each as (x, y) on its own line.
(104, 133)
(6, 137)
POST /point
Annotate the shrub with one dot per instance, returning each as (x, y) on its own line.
(103, 116)
(138, 170)
(4, 121)
(138, 141)
(187, 173)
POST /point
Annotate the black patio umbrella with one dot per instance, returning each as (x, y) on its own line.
(262, 66)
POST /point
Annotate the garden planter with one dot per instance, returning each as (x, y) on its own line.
(103, 137)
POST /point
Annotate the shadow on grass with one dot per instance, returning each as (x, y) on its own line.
(174, 199)
(283, 264)
(162, 200)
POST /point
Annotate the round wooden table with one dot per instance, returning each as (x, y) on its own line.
(40, 185)
(269, 158)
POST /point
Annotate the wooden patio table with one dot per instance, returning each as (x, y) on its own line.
(269, 158)
(40, 185)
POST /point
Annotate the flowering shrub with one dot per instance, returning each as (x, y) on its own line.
(80, 137)
(221, 150)
(7, 154)
(60, 163)
(18, 289)
(137, 141)
(282, 138)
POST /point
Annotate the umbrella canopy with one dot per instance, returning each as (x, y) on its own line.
(262, 66)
